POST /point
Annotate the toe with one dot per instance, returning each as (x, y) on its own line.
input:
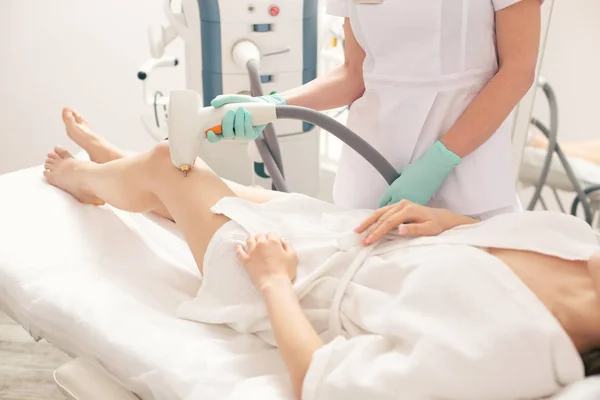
(52, 155)
(77, 116)
(62, 153)
(49, 165)
(67, 114)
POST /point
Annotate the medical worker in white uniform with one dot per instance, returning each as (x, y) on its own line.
(431, 85)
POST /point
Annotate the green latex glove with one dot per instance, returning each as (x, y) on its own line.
(421, 179)
(238, 124)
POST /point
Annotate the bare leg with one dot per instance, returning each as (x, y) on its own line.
(140, 183)
(98, 148)
(81, 132)
(101, 151)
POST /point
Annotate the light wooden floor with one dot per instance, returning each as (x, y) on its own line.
(26, 366)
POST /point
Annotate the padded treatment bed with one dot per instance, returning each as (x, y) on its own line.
(533, 161)
(104, 285)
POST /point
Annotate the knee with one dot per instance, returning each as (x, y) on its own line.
(160, 159)
(160, 153)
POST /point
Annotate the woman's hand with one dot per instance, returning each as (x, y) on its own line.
(268, 259)
(409, 218)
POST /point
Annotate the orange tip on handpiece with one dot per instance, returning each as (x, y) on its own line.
(217, 130)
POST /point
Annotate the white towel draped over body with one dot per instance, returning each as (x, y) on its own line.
(414, 319)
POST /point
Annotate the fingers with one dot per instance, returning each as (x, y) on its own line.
(248, 128)
(273, 239)
(381, 227)
(224, 99)
(242, 254)
(371, 220)
(212, 137)
(386, 213)
(239, 123)
(251, 243)
(428, 228)
(261, 238)
(228, 124)
(402, 213)
(289, 249)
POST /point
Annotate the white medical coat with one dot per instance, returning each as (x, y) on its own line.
(425, 62)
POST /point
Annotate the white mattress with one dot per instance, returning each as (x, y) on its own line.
(86, 280)
(106, 284)
(533, 160)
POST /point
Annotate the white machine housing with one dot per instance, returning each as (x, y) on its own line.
(286, 34)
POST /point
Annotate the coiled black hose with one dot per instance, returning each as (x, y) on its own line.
(553, 147)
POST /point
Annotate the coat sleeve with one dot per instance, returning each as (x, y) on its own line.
(502, 4)
(338, 8)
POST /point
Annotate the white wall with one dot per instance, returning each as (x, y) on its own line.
(78, 53)
(86, 54)
(572, 66)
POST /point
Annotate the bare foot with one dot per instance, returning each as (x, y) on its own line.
(61, 171)
(80, 131)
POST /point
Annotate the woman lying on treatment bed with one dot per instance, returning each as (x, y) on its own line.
(359, 305)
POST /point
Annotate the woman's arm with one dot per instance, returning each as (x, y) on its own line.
(295, 336)
(271, 264)
(341, 87)
(518, 36)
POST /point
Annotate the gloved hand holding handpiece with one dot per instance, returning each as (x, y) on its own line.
(238, 124)
(418, 183)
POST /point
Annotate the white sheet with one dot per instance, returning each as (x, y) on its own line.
(80, 276)
(425, 337)
(107, 285)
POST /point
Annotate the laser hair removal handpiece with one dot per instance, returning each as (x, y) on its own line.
(189, 123)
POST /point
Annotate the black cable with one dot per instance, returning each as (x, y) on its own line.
(277, 178)
(342, 132)
(551, 134)
(271, 142)
(543, 203)
(587, 191)
(580, 193)
(558, 200)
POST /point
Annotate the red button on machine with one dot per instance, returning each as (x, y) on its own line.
(274, 10)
